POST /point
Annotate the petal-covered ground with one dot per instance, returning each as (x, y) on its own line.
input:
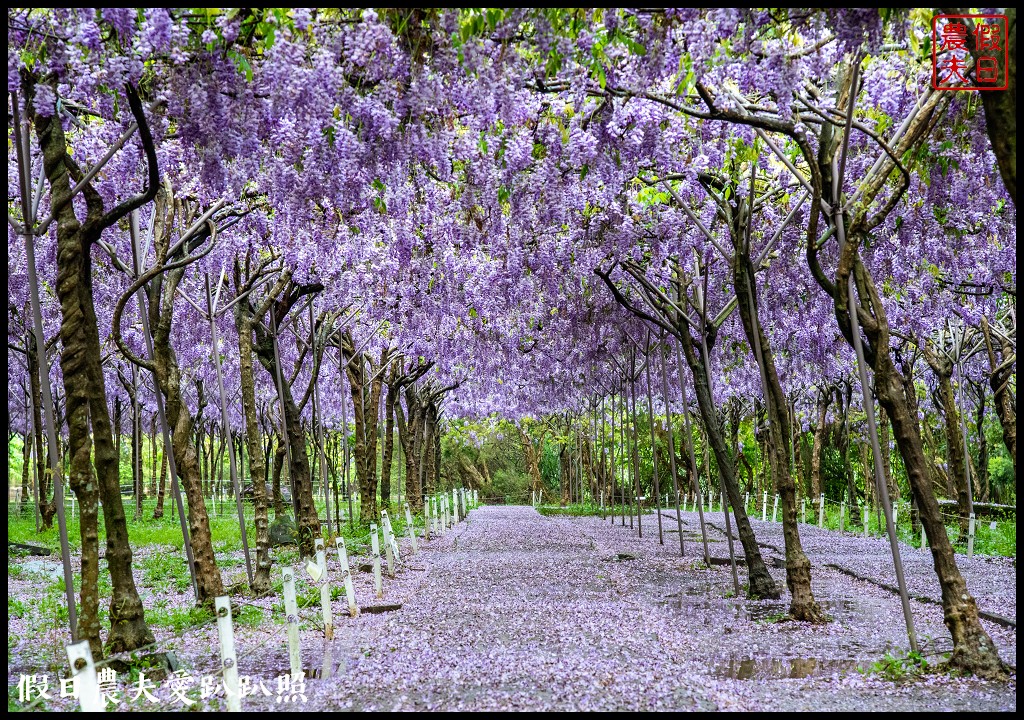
(514, 610)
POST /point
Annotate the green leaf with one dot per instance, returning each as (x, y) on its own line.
(242, 63)
(634, 47)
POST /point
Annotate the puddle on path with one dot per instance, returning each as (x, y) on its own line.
(691, 603)
(780, 668)
(621, 557)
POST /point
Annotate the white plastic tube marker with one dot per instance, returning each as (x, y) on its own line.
(228, 659)
(346, 574)
(378, 584)
(970, 538)
(325, 589)
(83, 670)
(412, 530)
(291, 610)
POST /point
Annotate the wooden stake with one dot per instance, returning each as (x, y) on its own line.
(821, 511)
(803, 510)
(775, 509)
(764, 507)
(842, 516)
(864, 521)
(228, 659)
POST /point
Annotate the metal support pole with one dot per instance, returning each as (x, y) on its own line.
(211, 305)
(21, 133)
(654, 454)
(165, 428)
(671, 448)
(693, 457)
(869, 407)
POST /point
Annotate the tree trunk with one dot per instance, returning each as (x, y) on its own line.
(973, 651)
(389, 440)
(824, 400)
(47, 504)
(1002, 370)
(798, 568)
(158, 512)
(981, 477)
(279, 453)
(470, 472)
(486, 474)
(532, 461)
(117, 436)
(365, 410)
(179, 418)
(308, 520)
(432, 454)
(409, 435)
(257, 466)
(798, 454)
(564, 473)
(86, 397)
(760, 582)
(943, 369)
(843, 440)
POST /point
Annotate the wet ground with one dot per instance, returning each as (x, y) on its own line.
(512, 610)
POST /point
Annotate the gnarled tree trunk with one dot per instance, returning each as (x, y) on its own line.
(308, 521)
(798, 568)
(760, 582)
(179, 418)
(824, 400)
(943, 369)
(85, 389)
(1002, 368)
(410, 436)
(388, 450)
(257, 466)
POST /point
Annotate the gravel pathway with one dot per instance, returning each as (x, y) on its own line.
(511, 610)
(519, 611)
